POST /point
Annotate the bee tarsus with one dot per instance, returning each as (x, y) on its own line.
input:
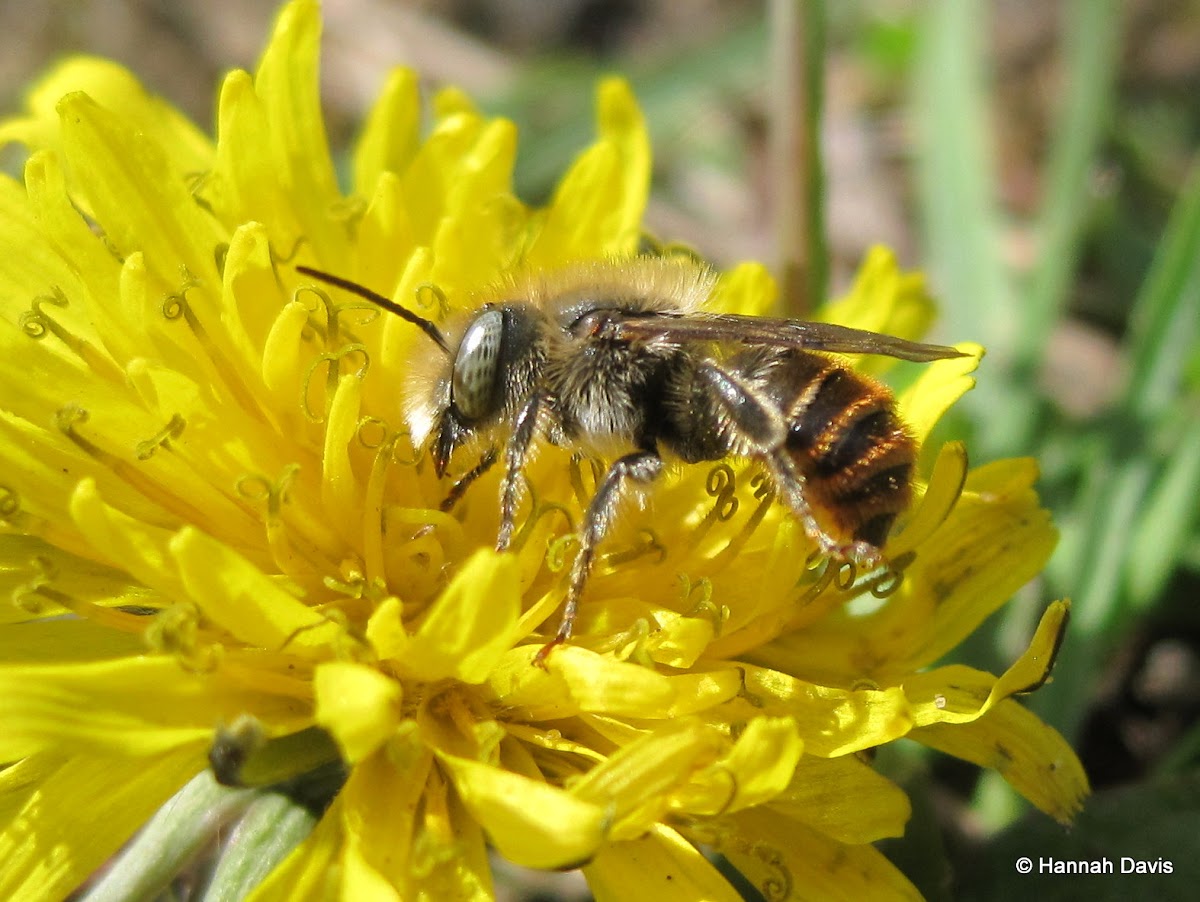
(486, 462)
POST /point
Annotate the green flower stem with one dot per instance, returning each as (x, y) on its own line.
(274, 824)
(797, 175)
(180, 830)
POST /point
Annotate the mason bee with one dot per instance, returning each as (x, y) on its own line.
(618, 361)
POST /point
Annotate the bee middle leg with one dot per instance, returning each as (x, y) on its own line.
(515, 454)
(638, 466)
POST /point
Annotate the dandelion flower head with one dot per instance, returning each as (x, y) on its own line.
(213, 524)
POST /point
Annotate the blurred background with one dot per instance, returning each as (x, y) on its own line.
(1037, 159)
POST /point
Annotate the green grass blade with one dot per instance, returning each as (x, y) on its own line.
(1166, 521)
(955, 171)
(1091, 47)
(1166, 316)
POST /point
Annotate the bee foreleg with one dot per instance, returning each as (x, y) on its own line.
(464, 482)
(639, 466)
(515, 454)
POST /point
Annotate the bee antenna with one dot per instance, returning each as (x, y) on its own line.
(426, 326)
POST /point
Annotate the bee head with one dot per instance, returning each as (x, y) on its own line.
(473, 395)
(454, 396)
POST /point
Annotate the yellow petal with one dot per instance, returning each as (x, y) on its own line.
(391, 133)
(116, 89)
(60, 390)
(599, 683)
(940, 384)
(361, 881)
(451, 101)
(133, 186)
(62, 640)
(430, 178)
(89, 320)
(831, 721)
(39, 471)
(960, 694)
(385, 630)
(385, 240)
(404, 838)
(995, 541)
(748, 290)
(340, 488)
(659, 867)
(482, 223)
(597, 208)
(281, 368)
(1031, 756)
(529, 822)
(535, 693)
(701, 690)
(619, 120)
(784, 860)
(31, 274)
(391, 364)
(139, 548)
(941, 495)
(245, 183)
(380, 803)
(20, 781)
(632, 786)
(470, 626)
(845, 799)
(551, 739)
(187, 464)
(450, 855)
(358, 705)
(80, 814)
(679, 641)
(250, 297)
(760, 765)
(239, 597)
(129, 706)
(286, 81)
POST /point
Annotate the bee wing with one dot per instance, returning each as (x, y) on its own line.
(779, 333)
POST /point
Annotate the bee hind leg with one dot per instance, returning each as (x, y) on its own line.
(791, 483)
(763, 429)
(639, 466)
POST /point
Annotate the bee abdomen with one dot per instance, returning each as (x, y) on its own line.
(854, 452)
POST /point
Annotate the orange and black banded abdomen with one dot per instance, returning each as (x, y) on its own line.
(845, 438)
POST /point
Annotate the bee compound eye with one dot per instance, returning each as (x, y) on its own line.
(476, 366)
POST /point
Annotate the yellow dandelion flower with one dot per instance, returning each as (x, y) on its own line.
(219, 542)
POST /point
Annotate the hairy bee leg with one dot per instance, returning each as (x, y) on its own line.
(639, 466)
(515, 454)
(765, 427)
(791, 485)
(464, 482)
